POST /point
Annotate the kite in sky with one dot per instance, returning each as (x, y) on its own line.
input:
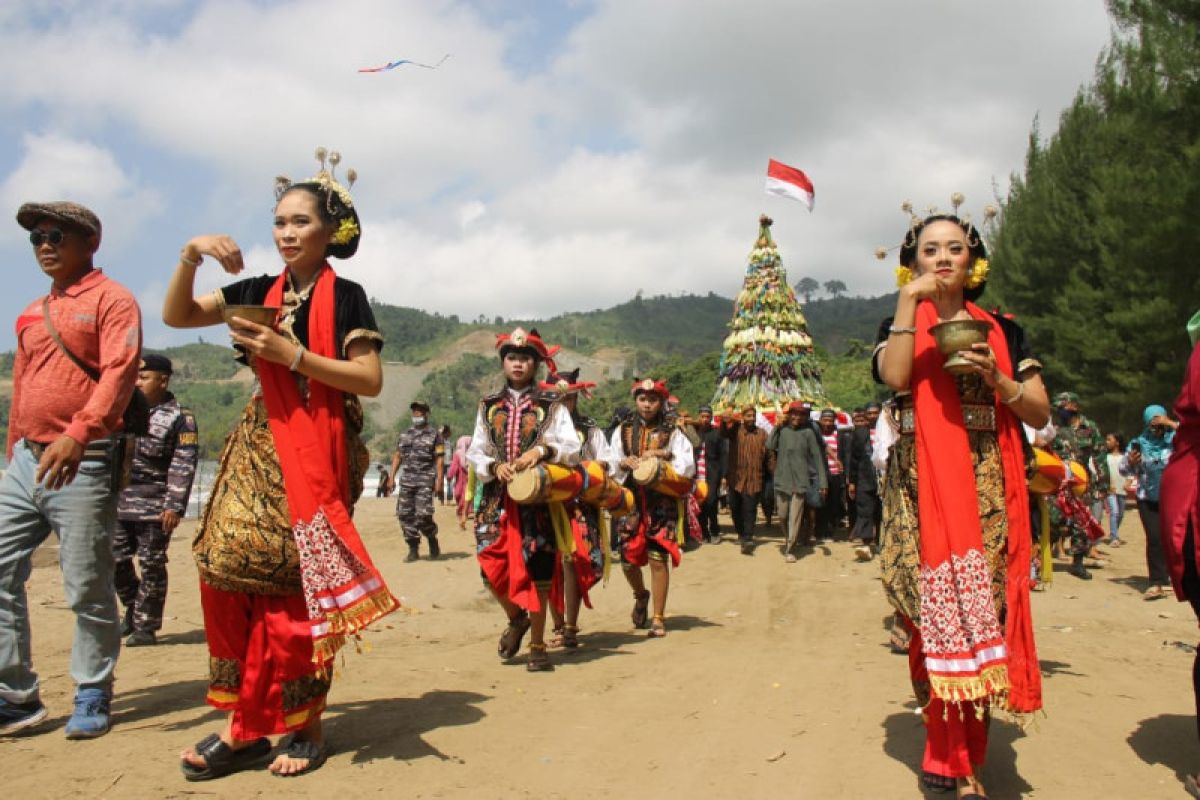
(394, 64)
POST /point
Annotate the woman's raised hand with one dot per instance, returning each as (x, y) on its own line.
(221, 247)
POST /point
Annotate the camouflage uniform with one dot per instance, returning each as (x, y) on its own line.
(164, 465)
(420, 448)
(1085, 444)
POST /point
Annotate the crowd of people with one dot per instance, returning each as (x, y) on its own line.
(935, 483)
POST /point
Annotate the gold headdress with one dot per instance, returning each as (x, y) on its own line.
(975, 238)
(326, 178)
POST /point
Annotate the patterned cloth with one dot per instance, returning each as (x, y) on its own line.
(420, 450)
(145, 595)
(747, 459)
(164, 465)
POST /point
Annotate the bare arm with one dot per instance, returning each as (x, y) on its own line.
(180, 308)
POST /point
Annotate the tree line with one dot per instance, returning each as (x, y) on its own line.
(1095, 249)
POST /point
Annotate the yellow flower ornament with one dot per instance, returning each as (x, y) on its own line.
(346, 231)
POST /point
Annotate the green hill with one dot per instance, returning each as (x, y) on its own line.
(677, 337)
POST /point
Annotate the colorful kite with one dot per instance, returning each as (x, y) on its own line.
(394, 64)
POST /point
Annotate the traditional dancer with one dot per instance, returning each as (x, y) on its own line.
(582, 565)
(284, 576)
(654, 532)
(516, 429)
(955, 545)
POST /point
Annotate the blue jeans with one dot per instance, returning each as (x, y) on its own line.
(1116, 513)
(83, 514)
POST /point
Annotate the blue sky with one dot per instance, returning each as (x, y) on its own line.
(565, 156)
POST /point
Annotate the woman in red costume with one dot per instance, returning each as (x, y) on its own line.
(284, 576)
(955, 546)
(1179, 504)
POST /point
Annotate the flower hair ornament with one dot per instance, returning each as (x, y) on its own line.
(326, 179)
(975, 240)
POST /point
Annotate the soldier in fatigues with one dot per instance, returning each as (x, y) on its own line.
(421, 452)
(1078, 439)
(149, 509)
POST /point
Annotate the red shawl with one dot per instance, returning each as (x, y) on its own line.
(968, 656)
(342, 588)
(1179, 492)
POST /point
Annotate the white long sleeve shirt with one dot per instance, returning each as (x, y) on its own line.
(683, 460)
(559, 434)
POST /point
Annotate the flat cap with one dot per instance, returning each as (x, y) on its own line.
(61, 211)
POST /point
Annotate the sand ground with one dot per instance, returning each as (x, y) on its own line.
(775, 681)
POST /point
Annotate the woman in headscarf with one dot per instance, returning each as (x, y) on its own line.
(955, 544)
(1146, 457)
(284, 576)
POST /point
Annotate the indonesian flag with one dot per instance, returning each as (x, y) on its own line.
(789, 182)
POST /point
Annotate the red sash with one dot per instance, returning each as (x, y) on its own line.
(967, 654)
(343, 590)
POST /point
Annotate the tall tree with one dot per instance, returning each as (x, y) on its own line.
(1095, 252)
(806, 287)
(835, 288)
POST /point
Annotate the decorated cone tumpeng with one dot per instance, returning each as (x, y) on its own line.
(767, 360)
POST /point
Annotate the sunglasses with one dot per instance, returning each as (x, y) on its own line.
(54, 236)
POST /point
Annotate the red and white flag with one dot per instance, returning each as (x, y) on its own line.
(789, 182)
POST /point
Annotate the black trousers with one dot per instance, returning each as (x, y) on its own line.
(743, 507)
(1191, 589)
(869, 513)
(830, 514)
(1156, 562)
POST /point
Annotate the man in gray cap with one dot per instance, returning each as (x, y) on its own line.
(164, 465)
(76, 363)
(421, 452)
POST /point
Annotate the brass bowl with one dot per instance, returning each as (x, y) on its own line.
(959, 334)
(263, 315)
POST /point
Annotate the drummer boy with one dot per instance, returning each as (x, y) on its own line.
(649, 535)
(516, 429)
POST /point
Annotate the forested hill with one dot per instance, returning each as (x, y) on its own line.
(438, 356)
(684, 326)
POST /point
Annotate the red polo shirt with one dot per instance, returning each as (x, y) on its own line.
(99, 321)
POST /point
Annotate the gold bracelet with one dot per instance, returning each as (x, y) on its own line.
(1017, 396)
(187, 262)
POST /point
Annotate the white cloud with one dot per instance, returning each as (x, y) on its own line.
(55, 167)
(635, 159)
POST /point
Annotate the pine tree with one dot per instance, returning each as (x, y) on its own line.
(1096, 251)
(767, 359)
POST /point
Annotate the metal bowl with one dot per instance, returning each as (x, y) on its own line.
(263, 315)
(956, 335)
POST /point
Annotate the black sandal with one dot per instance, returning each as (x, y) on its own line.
(570, 636)
(308, 749)
(510, 640)
(641, 609)
(938, 783)
(220, 759)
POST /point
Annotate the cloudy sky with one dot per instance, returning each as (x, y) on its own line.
(566, 155)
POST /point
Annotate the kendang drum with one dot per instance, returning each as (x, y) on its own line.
(1051, 472)
(659, 476)
(545, 483)
(1078, 478)
(599, 490)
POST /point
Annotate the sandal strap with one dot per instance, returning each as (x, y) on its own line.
(304, 748)
(214, 751)
(537, 648)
